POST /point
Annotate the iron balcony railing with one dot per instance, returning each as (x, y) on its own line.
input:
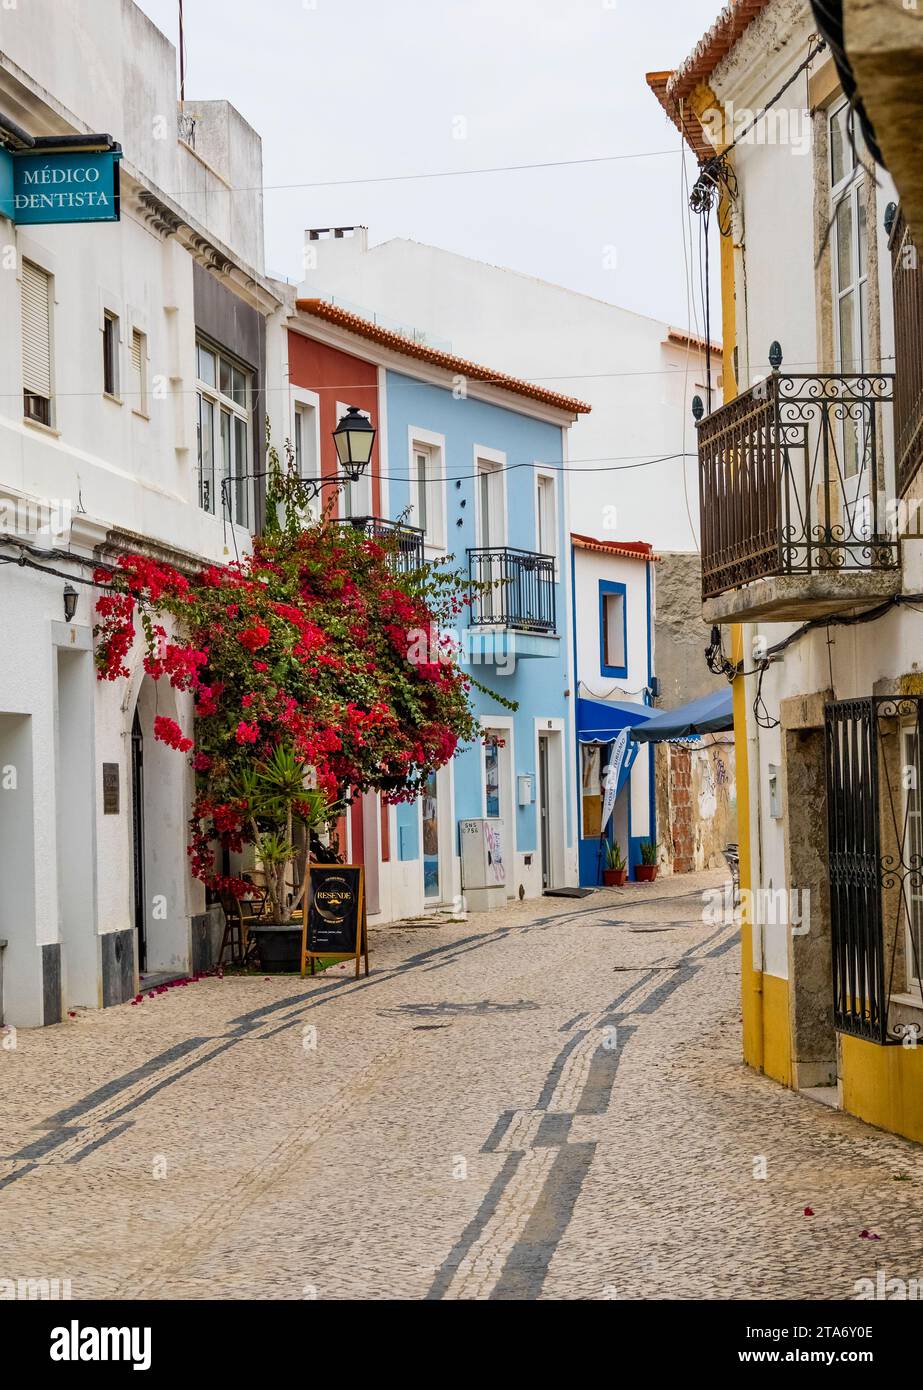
(907, 295)
(520, 590)
(792, 480)
(407, 541)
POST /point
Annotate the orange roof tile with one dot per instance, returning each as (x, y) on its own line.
(632, 550)
(673, 89)
(385, 337)
(677, 335)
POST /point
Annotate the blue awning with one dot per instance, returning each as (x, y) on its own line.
(600, 721)
(710, 714)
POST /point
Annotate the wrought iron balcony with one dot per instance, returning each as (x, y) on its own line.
(404, 542)
(521, 589)
(791, 491)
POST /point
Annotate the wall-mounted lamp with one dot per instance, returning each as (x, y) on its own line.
(70, 602)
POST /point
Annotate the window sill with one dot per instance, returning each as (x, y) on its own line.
(141, 414)
(908, 1001)
(43, 429)
(116, 400)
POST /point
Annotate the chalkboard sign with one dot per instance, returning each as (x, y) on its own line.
(334, 914)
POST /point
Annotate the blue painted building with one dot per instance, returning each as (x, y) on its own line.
(612, 636)
(475, 461)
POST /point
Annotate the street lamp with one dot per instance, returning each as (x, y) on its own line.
(70, 602)
(354, 437)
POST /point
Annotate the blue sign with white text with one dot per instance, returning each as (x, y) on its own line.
(59, 187)
(6, 184)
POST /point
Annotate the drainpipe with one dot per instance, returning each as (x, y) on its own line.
(751, 979)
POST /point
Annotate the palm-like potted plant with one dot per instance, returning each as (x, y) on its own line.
(282, 808)
(616, 870)
(646, 871)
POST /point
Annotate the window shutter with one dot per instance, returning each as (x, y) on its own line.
(136, 353)
(36, 331)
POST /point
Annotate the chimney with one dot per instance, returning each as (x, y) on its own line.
(332, 248)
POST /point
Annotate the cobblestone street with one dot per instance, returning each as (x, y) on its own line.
(542, 1103)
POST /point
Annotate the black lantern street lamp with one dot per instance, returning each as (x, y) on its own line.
(354, 437)
(70, 602)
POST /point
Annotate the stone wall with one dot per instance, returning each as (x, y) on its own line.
(680, 635)
(696, 803)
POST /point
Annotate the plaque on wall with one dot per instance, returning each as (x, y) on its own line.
(110, 789)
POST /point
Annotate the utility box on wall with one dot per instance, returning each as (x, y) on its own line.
(525, 784)
(482, 864)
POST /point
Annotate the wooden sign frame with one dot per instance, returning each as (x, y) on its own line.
(362, 930)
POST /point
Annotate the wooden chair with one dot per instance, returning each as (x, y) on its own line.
(235, 937)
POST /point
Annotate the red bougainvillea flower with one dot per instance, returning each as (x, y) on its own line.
(254, 637)
(310, 644)
(169, 732)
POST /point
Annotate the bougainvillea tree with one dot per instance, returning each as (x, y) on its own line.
(318, 669)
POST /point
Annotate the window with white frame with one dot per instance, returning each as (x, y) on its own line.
(35, 308)
(427, 491)
(305, 439)
(224, 391)
(111, 354)
(356, 497)
(546, 519)
(491, 521)
(913, 854)
(137, 379)
(849, 243)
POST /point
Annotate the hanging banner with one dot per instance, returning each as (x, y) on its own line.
(623, 755)
(55, 186)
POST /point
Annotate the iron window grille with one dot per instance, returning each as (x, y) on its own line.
(875, 856)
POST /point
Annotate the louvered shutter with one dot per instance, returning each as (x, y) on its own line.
(137, 369)
(36, 331)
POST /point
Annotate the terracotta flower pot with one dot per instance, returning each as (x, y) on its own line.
(614, 878)
(645, 873)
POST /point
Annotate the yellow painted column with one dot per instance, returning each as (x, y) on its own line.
(751, 980)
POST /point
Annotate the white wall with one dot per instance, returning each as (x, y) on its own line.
(614, 360)
(107, 466)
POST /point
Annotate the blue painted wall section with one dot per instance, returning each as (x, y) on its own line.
(537, 682)
(589, 853)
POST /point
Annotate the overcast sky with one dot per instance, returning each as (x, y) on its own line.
(357, 89)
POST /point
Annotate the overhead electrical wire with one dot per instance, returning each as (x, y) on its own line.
(435, 174)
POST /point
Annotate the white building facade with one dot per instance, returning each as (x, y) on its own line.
(131, 381)
(813, 561)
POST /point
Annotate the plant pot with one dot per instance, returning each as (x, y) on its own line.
(645, 873)
(614, 878)
(278, 946)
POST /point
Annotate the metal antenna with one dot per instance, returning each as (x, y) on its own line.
(182, 57)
